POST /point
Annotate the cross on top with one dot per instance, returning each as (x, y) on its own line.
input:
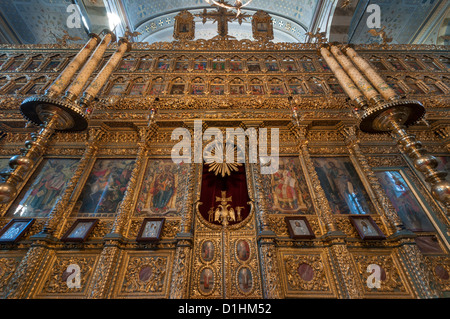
(224, 199)
(222, 16)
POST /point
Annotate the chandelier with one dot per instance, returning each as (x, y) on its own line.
(238, 4)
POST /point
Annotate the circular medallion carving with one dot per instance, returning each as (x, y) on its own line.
(245, 280)
(305, 271)
(207, 251)
(145, 273)
(441, 272)
(206, 281)
(242, 250)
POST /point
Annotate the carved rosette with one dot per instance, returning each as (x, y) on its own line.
(145, 275)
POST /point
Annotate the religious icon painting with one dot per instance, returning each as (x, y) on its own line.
(177, 89)
(44, 188)
(245, 280)
(163, 188)
(157, 89)
(242, 250)
(138, 89)
(262, 26)
(197, 89)
(15, 229)
(299, 227)
(206, 281)
(286, 190)
(207, 251)
(253, 66)
(236, 66)
(184, 28)
(118, 88)
(405, 203)
(200, 66)
(366, 227)
(296, 89)
(257, 89)
(218, 65)
(217, 90)
(272, 67)
(343, 188)
(104, 188)
(150, 229)
(79, 230)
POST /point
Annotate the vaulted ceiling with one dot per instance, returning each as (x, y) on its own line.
(44, 21)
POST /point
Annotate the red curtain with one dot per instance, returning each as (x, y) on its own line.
(235, 186)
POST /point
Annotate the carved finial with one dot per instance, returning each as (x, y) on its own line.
(321, 37)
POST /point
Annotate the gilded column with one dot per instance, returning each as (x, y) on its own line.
(111, 252)
(183, 254)
(266, 241)
(265, 236)
(394, 222)
(320, 201)
(181, 269)
(339, 255)
(27, 273)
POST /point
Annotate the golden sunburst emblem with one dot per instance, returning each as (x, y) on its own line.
(223, 168)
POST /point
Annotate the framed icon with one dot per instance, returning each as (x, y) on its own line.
(299, 227)
(80, 230)
(366, 227)
(150, 229)
(15, 229)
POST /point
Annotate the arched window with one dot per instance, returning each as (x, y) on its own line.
(217, 86)
(393, 83)
(144, 64)
(16, 85)
(138, 87)
(272, 65)
(431, 84)
(430, 63)
(118, 87)
(198, 86)
(37, 86)
(53, 64)
(396, 64)
(127, 64)
(289, 64)
(34, 63)
(237, 87)
(163, 64)
(296, 86)
(377, 63)
(157, 86)
(14, 63)
(177, 86)
(315, 86)
(182, 64)
(256, 87)
(276, 87)
(253, 65)
(412, 63)
(445, 61)
(218, 64)
(411, 83)
(236, 64)
(200, 64)
(334, 85)
(307, 64)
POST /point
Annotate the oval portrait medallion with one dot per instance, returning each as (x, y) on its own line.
(145, 273)
(207, 251)
(305, 271)
(245, 280)
(206, 280)
(242, 250)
